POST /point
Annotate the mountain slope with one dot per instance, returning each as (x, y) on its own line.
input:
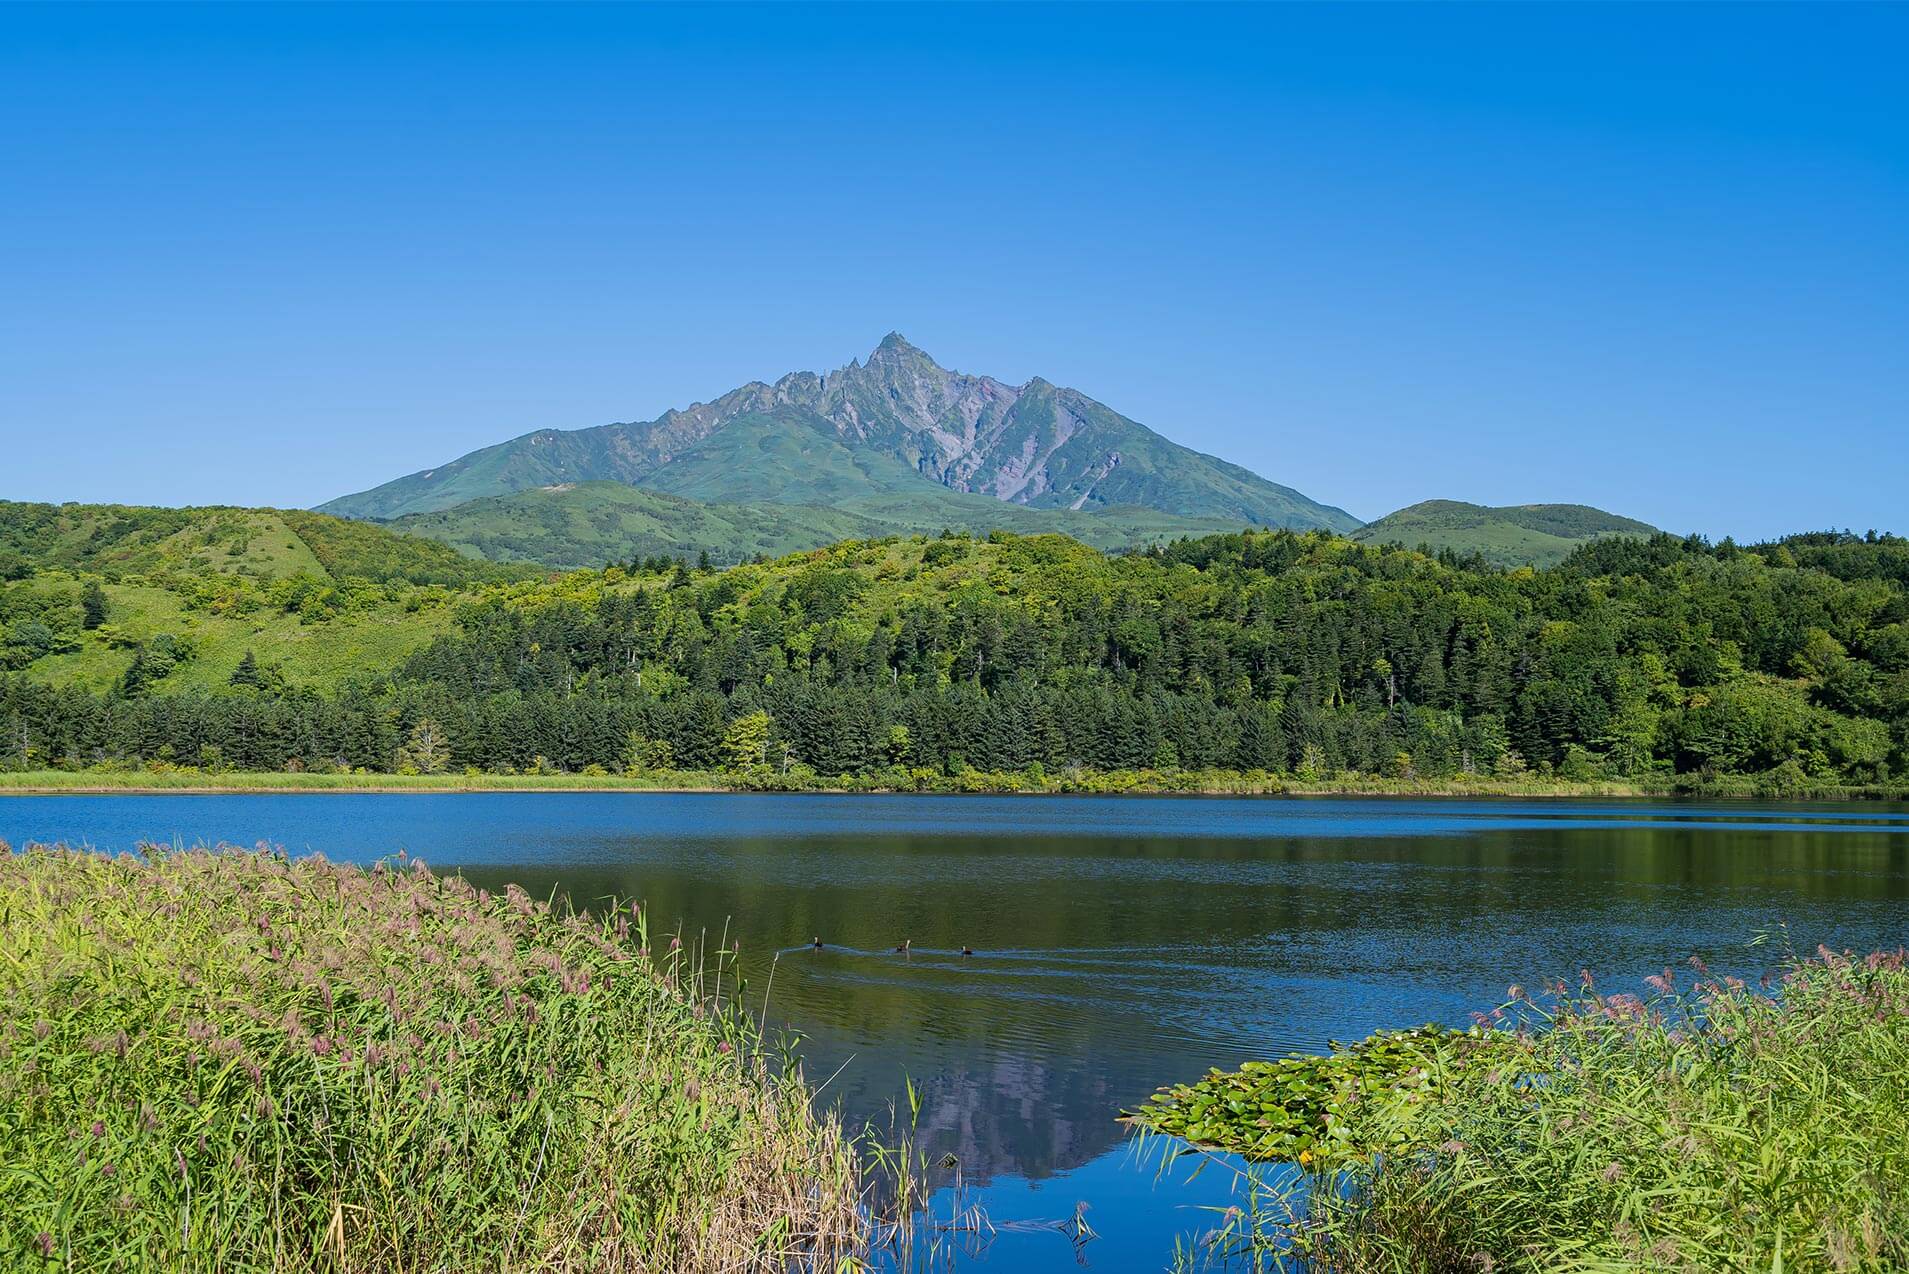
(899, 423)
(1509, 535)
(592, 523)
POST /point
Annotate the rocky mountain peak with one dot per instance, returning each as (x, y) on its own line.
(899, 414)
(896, 346)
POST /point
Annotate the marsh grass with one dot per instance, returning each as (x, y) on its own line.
(234, 1061)
(1709, 1127)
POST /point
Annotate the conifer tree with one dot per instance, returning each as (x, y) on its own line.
(92, 605)
(138, 675)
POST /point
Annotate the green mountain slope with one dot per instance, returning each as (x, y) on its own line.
(898, 424)
(594, 523)
(115, 539)
(1510, 535)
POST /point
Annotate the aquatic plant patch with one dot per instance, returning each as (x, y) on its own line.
(1301, 1108)
(1711, 1126)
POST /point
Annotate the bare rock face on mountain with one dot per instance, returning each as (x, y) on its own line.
(873, 430)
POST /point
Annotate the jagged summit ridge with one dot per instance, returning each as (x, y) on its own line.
(898, 414)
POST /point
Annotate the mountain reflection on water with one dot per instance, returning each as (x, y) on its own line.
(1120, 943)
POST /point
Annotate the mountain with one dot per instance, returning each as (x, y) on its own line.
(899, 425)
(1510, 535)
(591, 523)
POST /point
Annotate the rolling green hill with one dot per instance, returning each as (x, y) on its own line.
(899, 425)
(118, 539)
(1511, 535)
(594, 523)
(316, 598)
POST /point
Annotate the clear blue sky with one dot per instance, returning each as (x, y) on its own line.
(1650, 258)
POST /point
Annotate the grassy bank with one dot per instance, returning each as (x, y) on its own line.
(1710, 1128)
(1084, 782)
(234, 1061)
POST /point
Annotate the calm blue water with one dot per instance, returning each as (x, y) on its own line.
(1120, 943)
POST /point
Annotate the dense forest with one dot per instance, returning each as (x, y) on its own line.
(1287, 653)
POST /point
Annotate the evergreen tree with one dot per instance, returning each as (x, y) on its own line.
(138, 675)
(92, 605)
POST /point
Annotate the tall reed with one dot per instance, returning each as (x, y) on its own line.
(234, 1061)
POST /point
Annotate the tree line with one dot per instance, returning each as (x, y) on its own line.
(1281, 652)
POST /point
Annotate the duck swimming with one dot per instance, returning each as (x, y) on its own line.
(906, 943)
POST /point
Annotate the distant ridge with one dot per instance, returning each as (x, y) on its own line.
(895, 429)
(591, 523)
(1508, 535)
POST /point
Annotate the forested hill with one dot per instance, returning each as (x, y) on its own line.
(1283, 652)
(120, 539)
(1509, 535)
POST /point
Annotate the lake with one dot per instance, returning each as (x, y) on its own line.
(1120, 942)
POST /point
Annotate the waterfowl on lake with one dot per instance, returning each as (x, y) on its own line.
(967, 951)
(817, 944)
(905, 944)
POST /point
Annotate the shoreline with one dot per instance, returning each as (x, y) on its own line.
(137, 782)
